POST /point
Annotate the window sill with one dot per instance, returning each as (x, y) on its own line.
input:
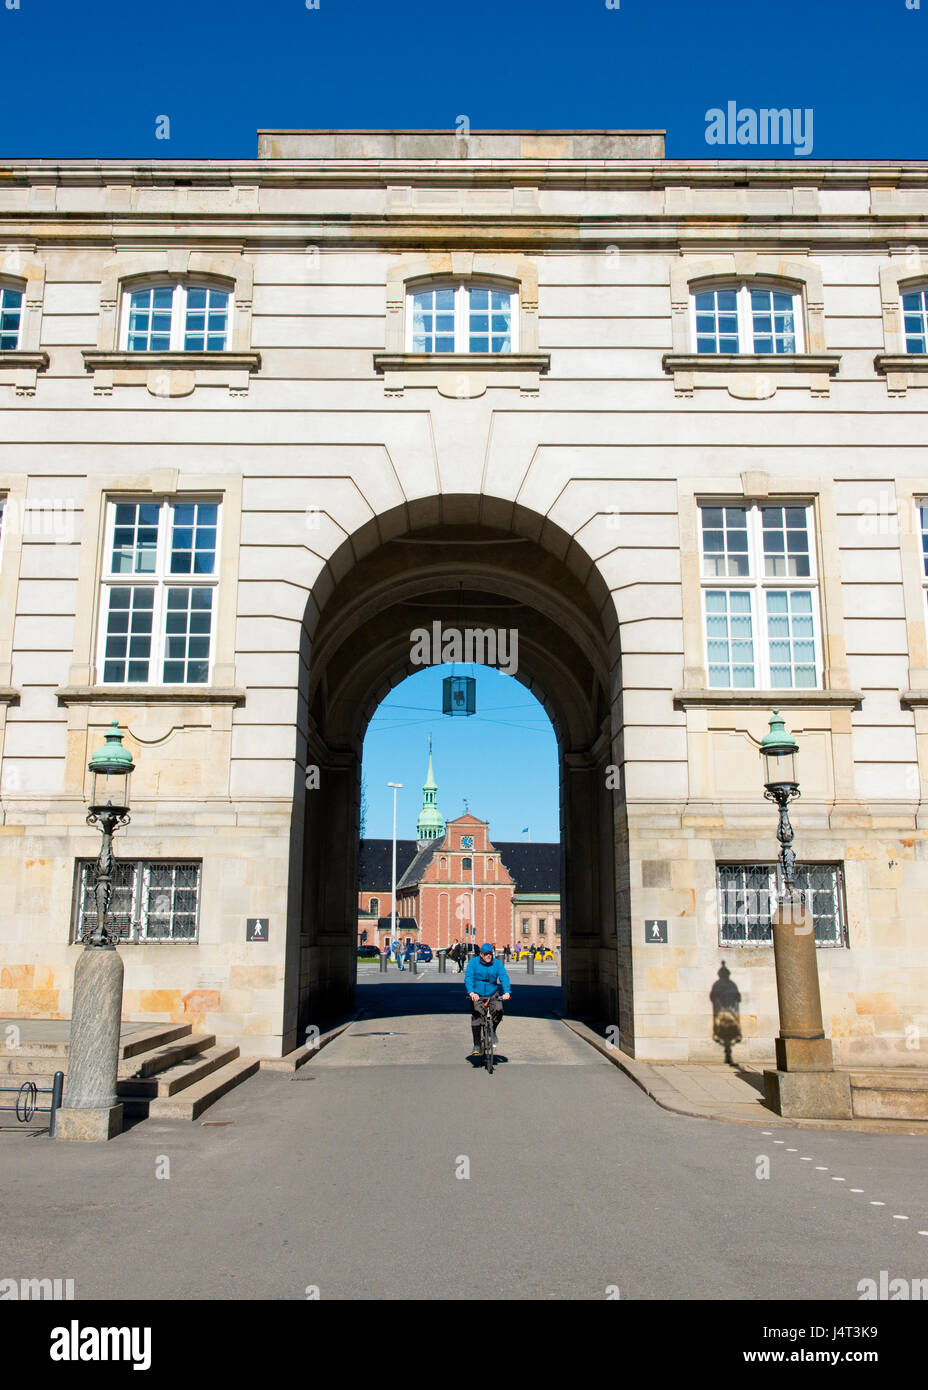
(902, 370)
(8, 696)
(783, 699)
(751, 376)
(150, 695)
(170, 373)
(914, 699)
(461, 375)
(19, 369)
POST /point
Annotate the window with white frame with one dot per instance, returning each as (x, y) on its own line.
(159, 592)
(11, 317)
(915, 320)
(747, 899)
(176, 316)
(748, 317)
(761, 624)
(461, 317)
(152, 900)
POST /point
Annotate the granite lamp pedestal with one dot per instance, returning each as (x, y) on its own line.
(804, 1084)
(91, 1110)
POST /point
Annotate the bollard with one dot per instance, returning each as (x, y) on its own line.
(442, 963)
(384, 962)
(530, 965)
(57, 1093)
(414, 964)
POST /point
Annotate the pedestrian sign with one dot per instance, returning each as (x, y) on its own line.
(256, 928)
(656, 932)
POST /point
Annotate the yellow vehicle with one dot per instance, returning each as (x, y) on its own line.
(524, 955)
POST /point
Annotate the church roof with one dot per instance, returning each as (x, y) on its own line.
(375, 863)
(533, 868)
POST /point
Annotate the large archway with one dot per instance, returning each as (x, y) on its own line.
(443, 561)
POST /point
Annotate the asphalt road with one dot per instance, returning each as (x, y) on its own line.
(392, 1167)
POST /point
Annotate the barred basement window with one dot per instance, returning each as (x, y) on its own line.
(152, 900)
(747, 895)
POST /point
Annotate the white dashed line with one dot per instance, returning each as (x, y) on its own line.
(878, 1204)
(792, 1151)
(837, 1180)
(900, 1218)
(923, 1233)
(779, 1141)
(820, 1168)
(805, 1160)
(855, 1189)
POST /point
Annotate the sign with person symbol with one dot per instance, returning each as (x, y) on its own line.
(656, 931)
(256, 928)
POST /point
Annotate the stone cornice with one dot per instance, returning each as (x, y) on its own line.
(8, 696)
(16, 358)
(768, 699)
(150, 695)
(752, 362)
(473, 361)
(901, 362)
(914, 699)
(95, 359)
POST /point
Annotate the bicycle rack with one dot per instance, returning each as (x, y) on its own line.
(26, 1094)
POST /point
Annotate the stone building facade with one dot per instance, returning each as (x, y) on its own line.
(666, 420)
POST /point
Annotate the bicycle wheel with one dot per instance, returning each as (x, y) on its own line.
(488, 1040)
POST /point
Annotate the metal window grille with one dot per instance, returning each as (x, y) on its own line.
(747, 899)
(152, 900)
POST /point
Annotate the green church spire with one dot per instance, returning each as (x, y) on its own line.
(430, 825)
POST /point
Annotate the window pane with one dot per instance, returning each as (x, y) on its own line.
(725, 542)
(188, 610)
(790, 620)
(433, 331)
(127, 648)
(915, 317)
(193, 538)
(786, 542)
(729, 639)
(479, 324)
(135, 538)
(716, 321)
(11, 305)
(206, 308)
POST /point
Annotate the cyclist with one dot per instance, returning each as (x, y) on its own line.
(485, 975)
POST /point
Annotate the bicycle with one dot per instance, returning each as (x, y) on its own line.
(487, 1034)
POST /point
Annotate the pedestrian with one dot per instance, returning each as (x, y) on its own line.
(506, 954)
(410, 952)
(398, 952)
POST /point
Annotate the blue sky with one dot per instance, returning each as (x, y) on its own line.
(503, 758)
(90, 79)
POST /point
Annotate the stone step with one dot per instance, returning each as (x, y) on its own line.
(192, 1101)
(907, 1079)
(137, 1092)
(144, 1065)
(129, 1046)
(31, 1065)
(890, 1095)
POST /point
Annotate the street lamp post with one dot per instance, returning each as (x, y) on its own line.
(397, 786)
(804, 1084)
(91, 1109)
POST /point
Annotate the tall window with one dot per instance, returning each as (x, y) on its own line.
(176, 317)
(525, 926)
(374, 906)
(747, 318)
(152, 900)
(748, 898)
(11, 313)
(466, 864)
(461, 318)
(915, 320)
(159, 593)
(761, 625)
(541, 926)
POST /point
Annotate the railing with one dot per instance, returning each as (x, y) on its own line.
(26, 1106)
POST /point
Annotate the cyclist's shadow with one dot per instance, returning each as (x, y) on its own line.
(499, 1059)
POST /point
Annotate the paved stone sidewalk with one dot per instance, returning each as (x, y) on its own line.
(714, 1091)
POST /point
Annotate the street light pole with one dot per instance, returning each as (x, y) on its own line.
(397, 786)
(805, 1083)
(91, 1109)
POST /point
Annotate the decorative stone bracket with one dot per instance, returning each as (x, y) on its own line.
(751, 376)
(20, 369)
(461, 375)
(170, 374)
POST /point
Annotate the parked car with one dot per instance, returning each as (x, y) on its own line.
(368, 953)
(423, 952)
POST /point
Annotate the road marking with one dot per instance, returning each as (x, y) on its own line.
(923, 1233)
(820, 1168)
(855, 1189)
(792, 1151)
(878, 1204)
(779, 1141)
(837, 1180)
(805, 1160)
(900, 1218)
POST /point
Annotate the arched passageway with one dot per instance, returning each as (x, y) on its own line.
(422, 565)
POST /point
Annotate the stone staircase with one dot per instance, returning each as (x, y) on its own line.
(166, 1071)
(890, 1094)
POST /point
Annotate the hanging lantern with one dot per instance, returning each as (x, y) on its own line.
(459, 695)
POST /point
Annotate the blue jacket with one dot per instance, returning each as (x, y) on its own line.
(483, 979)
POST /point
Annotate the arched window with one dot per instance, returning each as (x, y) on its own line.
(11, 317)
(746, 317)
(461, 317)
(374, 906)
(915, 320)
(176, 316)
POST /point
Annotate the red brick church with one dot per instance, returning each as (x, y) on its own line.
(453, 882)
